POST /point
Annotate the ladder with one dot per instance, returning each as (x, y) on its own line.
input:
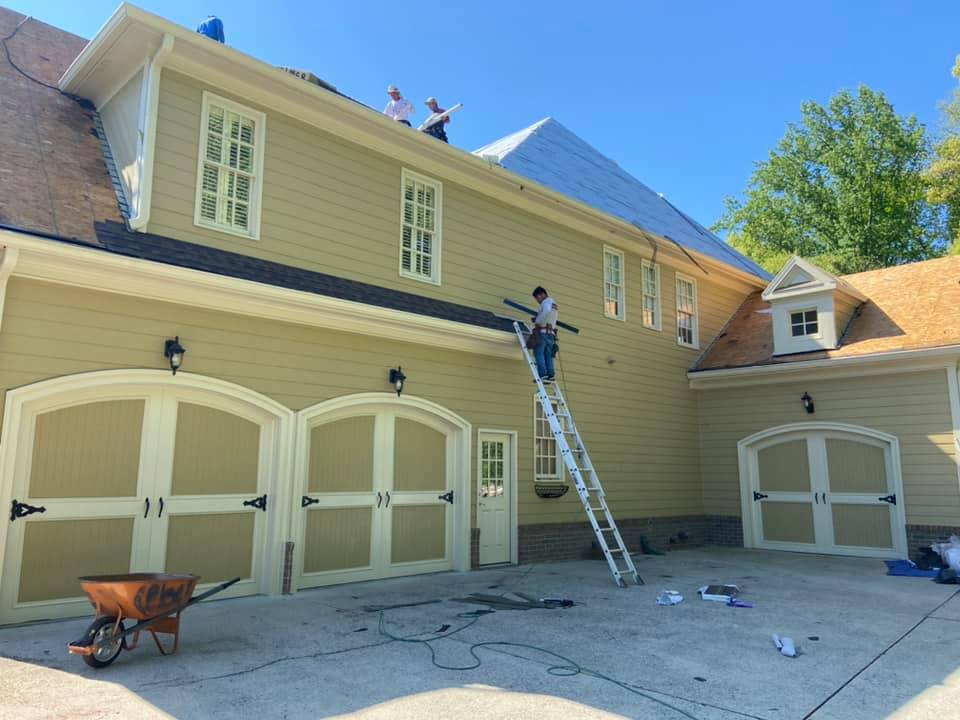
(574, 455)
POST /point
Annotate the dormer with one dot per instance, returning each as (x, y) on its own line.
(810, 307)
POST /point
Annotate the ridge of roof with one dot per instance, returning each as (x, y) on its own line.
(551, 154)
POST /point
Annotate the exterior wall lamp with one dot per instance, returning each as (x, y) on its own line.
(173, 351)
(397, 378)
(807, 403)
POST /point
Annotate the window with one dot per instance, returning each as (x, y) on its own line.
(546, 459)
(803, 322)
(421, 205)
(613, 284)
(491, 468)
(688, 333)
(651, 295)
(230, 167)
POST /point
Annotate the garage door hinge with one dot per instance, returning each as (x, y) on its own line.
(260, 503)
(19, 510)
(446, 497)
(892, 499)
(758, 496)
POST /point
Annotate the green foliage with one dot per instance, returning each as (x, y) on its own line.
(943, 175)
(843, 188)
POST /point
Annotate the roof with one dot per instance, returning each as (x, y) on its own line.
(552, 155)
(57, 181)
(908, 307)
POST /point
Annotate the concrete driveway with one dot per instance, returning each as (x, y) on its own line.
(872, 647)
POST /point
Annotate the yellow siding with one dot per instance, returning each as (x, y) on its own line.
(912, 406)
(637, 414)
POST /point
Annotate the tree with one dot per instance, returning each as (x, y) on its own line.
(843, 187)
(943, 175)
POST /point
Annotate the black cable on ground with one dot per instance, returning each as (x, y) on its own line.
(16, 67)
(565, 668)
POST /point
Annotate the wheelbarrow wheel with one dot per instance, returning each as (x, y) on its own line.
(106, 647)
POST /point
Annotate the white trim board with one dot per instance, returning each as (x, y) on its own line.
(953, 387)
(67, 264)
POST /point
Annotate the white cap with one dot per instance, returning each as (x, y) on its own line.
(429, 100)
(392, 88)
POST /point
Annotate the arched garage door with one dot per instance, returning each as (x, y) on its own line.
(133, 471)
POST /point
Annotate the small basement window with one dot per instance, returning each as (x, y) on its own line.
(803, 323)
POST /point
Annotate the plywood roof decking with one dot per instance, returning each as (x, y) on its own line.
(909, 307)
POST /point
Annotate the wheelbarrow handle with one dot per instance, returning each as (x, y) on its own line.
(211, 591)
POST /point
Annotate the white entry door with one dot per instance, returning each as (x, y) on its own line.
(829, 491)
(495, 490)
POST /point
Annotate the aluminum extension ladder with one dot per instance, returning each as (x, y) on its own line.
(581, 469)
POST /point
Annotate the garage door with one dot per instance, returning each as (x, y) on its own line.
(127, 479)
(376, 499)
(826, 491)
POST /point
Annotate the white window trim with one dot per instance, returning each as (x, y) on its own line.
(696, 311)
(559, 476)
(658, 315)
(622, 315)
(406, 174)
(817, 334)
(260, 119)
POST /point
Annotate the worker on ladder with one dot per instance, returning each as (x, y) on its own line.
(543, 339)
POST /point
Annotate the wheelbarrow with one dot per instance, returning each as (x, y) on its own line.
(156, 600)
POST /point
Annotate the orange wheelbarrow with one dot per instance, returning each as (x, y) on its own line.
(156, 600)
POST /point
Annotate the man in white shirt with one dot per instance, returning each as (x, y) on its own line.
(545, 328)
(399, 108)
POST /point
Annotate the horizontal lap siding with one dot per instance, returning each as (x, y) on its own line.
(334, 207)
(912, 406)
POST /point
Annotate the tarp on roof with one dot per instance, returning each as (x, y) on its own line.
(552, 155)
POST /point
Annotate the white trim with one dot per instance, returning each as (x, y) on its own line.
(953, 389)
(822, 281)
(622, 314)
(256, 195)
(7, 265)
(696, 310)
(147, 140)
(68, 264)
(434, 278)
(746, 460)
(445, 420)
(658, 317)
(514, 496)
(881, 363)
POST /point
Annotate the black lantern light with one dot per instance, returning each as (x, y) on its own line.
(397, 378)
(173, 351)
(807, 403)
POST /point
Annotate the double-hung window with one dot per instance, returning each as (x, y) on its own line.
(613, 285)
(688, 332)
(421, 208)
(230, 167)
(546, 457)
(651, 294)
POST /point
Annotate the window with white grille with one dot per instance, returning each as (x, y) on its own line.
(546, 457)
(688, 333)
(230, 167)
(421, 207)
(651, 294)
(804, 322)
(613, 284)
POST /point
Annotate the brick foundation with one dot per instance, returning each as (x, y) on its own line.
(474, 548)
(919, 536)
(723, 530)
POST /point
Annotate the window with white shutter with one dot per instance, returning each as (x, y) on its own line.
(229, 178)
(688, 331)
(651, 294)
(613, 285)
(420, 224)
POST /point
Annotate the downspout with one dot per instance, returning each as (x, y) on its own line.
(7, 265)
(147, 135)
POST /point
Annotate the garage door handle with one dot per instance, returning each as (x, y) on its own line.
(160, 511)
(19, 510)
(146, 510)
(388, 500)
(379, 499)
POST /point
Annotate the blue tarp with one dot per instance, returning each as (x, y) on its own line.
(212, 28)
(905, 568)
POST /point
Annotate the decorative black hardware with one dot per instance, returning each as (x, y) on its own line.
(824, 496)
(816, 498)
(19, 510)
(146, 510)
(260, 503)
(160, 511)
(379, 499)
(307, 501)
(892, 499)
(446, 497)
(388, 500)
(758, 496)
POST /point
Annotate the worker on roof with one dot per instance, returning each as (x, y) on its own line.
(399, 108)
(545, 334)
(435, 127)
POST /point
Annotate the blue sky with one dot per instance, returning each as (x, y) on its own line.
(684, 95)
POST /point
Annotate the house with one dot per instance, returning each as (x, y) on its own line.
(214, 272)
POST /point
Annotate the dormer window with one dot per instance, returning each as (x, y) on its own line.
(803, 323)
